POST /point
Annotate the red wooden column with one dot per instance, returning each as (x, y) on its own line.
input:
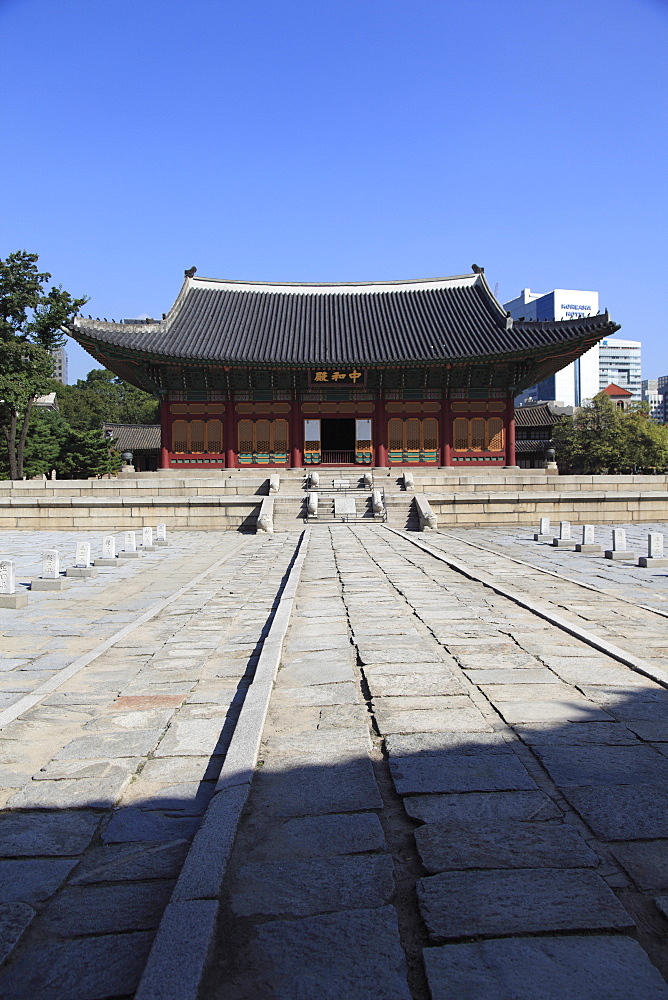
(230, 436)
(165, 434)
(296, 435)
(511, 457)
(446, 433)
(380, 434)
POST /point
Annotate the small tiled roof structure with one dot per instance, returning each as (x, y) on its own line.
(133, 437)
(534, 424)
(616, 392)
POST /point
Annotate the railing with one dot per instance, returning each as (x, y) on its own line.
(338, 458)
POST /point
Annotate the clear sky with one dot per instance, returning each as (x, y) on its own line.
(337, 140)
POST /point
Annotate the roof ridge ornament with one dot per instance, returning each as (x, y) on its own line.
(190, 272)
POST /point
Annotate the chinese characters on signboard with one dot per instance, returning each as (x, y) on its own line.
(337, 377)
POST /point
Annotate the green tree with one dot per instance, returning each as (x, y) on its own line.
(85, 454)
(600, 437)
(32, 323)
(102, 396)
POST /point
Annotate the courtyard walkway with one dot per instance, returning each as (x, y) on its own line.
(459, 787)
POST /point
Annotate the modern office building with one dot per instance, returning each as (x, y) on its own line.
(649, 391)
(59, 355)
(620, 363)
(579, 380)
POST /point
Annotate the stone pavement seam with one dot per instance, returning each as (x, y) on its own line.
(634, 662)
(174, 971)
(53, 683)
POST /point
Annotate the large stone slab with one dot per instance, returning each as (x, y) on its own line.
(646, 862)
(131, 862)
(603, 765)
(15, 918)
(577, 734)
(107, 909)
(468, 904)
(327, 670)
(510, 675)
(317, 885)
(30, 881)
(623, 812)
(594, 967)
(192, 737)
(420, 685)
(451, 771)
(391, 654)
(348, 786)
(482, 809)
(509, 845)
(468, 720)
(322, 957)
(131, 744)
(132, 824)
(317, 694)
(569, 709)
(82, 969)
(409, 744)
(46, 834)
(319, 837)
(72, 793)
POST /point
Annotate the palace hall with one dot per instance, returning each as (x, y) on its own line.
(388, 373)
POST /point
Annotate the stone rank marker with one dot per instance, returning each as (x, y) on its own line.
(109, 557)
(82, 562)
(129, 547)
(161, 534)
(619, 550)
(8, 596)
(588, 543)
(564, 540)
(543, 534)
(654, 555)
(147, 540)
(50, 578)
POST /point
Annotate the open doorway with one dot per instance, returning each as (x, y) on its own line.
(338, 441)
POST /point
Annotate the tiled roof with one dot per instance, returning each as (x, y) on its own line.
(528, 447)
(540, 415)
(615, 390)
(134, 437)
(243, 323)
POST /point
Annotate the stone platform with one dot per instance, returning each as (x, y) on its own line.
(457, 794)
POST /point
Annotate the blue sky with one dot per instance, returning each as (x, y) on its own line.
(339, 140)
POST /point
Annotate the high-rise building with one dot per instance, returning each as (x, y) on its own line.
(579, 381)
(59, 355)
(620, 363)
(649, 389)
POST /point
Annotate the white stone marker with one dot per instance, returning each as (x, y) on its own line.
(147, 538)
(82, 558)
(50, 564)
(108, 547)
(654, 555)
(543, 534)
(564, 540)
(50, 578)
(618, 550)
(129, 547)
(82, 562)
(8, 596)
(161, 534)
(588, 543)
(7, 577)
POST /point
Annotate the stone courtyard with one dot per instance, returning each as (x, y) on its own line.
(351, 761)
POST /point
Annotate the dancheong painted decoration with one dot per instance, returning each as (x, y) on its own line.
(417, 372)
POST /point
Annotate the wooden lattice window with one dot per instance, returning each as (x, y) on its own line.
(263, 441)
(478, 434)
(460, 433)
(197, 436)
(495, 434)
(413, 440)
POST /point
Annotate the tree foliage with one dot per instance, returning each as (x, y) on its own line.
(600, 438)
(32, 323)
(103, 397)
